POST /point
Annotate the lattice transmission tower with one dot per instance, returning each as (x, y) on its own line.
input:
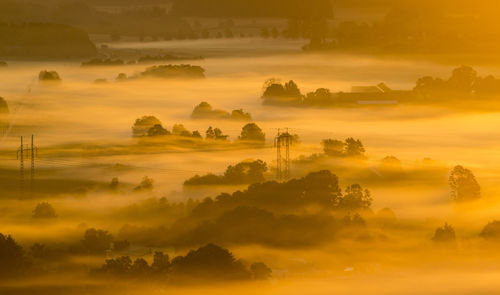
(282, 142)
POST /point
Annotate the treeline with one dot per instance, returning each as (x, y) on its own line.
(245, 172)
(205, 111)
(253, 8)
(150, 126)
(268, 213)
(138, 21)
(416, 27)
(210, 262)
(463, 83)
(183, 71)
(44, 41)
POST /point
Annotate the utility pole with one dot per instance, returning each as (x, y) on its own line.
(283, 140)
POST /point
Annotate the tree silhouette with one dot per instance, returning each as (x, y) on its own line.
(260, 271)
(333, 147)
(44, 210)
(241, 173)
(145, 185)
(49, 76)
(491, 231)
(252, 132)
(96, 241)
(12, 259)
(210, 262)
(445, 234)
(463, 184)
(157, 130)
(354, 148)
(143, 125)
(463, 79)
(161, 262)
(355, 198)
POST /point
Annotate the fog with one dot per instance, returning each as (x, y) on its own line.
(83, 130)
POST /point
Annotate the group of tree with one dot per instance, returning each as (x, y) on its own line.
(349, 148)
(38, 40)
(245, 172)
(103, 62)
(416, 27)
(205, 111)
(150, 126)
(183, 71)
(268, 213)
(44, 210)
(253, 8)
(209, 262)
(463, 82)
(463, 184)
(317, 188)
(444, 234)
(289, 94)
(155, 20)
(49, 76)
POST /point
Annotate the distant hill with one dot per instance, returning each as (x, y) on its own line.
(44, 41)
(253, 8)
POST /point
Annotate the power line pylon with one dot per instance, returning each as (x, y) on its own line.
(283, 140)
(27, 152)
(20, 157)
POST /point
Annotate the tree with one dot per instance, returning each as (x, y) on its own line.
(252, 132)
(246, 172)
(333, 147)
(96, 241)
(242, 173)
(355, 198)
(241, 115)
(140, 268)
(49, 76)
(157, 130)
(219, 135)
(463, 79)
(321, 97)
(143, 125)
(210, 262)
(118, 266)
(114, 184)
(444, 234)
(210, 134)
(354, 148)
(43, 211)
(161, 262)
(260, 271)
(463, 184)
(491, 231)
(292, 89)
(180, 130)
(12, 259)
(145, 185)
